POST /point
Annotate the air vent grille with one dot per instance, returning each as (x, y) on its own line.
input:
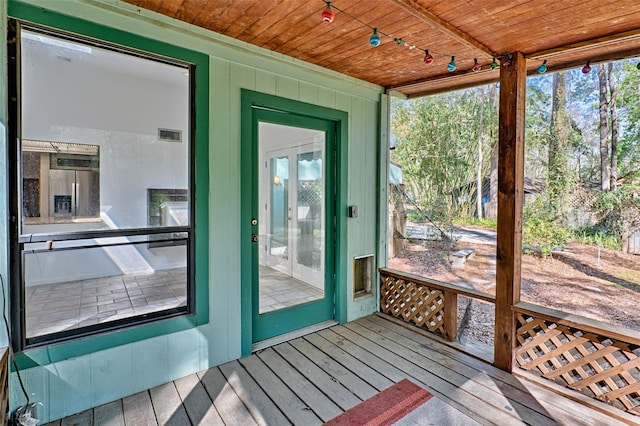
(168, 135)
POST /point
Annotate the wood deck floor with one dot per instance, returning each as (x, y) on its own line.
(312, 379)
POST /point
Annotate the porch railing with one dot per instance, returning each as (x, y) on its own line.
(597, 359)
(429, 304)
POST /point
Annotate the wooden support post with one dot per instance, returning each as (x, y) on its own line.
(450, 316)
(510, 201)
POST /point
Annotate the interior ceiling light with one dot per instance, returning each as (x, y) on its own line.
(587, 68)
(476, 65)
(494, 64)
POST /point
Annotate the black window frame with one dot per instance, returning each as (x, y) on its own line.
(177, 235)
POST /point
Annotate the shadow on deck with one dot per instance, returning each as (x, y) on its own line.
(312, 379)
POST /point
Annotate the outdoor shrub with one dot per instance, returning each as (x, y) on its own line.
(619, 212)
(540, 231)
(474, 221)
(597, 236)
(415, 216)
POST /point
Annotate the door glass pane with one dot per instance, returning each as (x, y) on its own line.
(291, 199)
(279, 212)
(310, 202)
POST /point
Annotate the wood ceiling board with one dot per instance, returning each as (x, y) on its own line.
(345, 33)
(208, 16)
(169, 7)
(391, 64)
(561, 23)
(240, 15)
(251, 17)
(265, 28)
(556, 34)
(444, 26)
(296, 22)
(190, 10)
(446, 83)
(481, 12)
(295, 28)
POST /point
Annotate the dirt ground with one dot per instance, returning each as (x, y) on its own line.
(580, 279)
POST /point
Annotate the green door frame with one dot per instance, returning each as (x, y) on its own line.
(252, 104)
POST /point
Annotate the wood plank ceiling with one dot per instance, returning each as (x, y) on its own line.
(564, 32)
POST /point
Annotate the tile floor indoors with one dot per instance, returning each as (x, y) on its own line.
(57, 307)
(278, 290)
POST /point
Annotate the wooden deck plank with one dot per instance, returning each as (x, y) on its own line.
(315, 377)
(314, 399)
(469, 379)
(110, 414)
(230, 407)
(168, 405)
(337, 371)
(340, 395)
(353, 364)
(458, 398)
(262, 409)
(197, 403)
(561, 409)
(138, 410)
(84, 418)
(380, 365)
(291, 406)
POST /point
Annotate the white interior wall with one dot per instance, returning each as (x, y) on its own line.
(117, 102)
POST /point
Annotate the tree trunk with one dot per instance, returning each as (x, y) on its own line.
(605, 171)
(491, 208)
(613, 108)
(480, 160)
(558, 142)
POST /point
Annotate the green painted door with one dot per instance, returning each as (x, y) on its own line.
(293, 221)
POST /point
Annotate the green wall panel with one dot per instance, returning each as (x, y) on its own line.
(3, 164)
(75, 384)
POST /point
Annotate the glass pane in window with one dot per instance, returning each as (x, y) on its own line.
(101, 130)
(74, 284)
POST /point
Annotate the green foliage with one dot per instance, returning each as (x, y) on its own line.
(474, 221)
(618, 210)
(596, 236)
(540, 230)
(437, 148)
(415, 216)
(629, 104)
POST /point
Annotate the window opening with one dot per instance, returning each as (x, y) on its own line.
(99, 247)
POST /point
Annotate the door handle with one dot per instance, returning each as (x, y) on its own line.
(254, 238)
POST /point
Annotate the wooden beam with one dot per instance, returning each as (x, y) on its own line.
(510, 201)
(586, 45)
(416, 9)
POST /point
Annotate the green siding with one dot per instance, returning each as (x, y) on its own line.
(3, 164)
(71, 385)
